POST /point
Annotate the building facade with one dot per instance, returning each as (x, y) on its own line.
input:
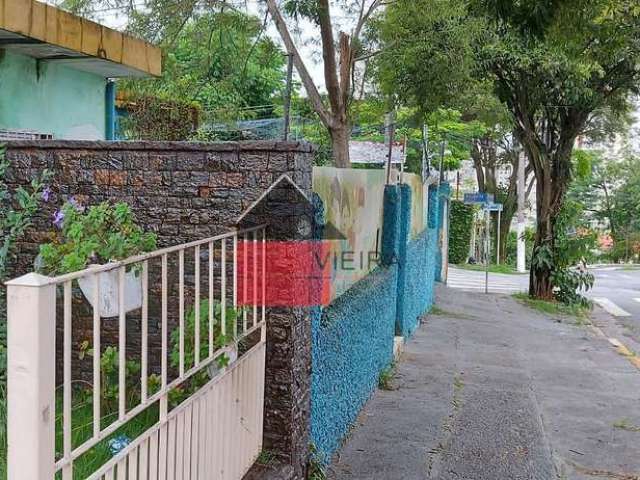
(56, 71)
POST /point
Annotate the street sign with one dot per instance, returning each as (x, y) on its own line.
(478, 198)
(493, 207)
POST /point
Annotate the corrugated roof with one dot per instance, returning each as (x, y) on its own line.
(48, 33)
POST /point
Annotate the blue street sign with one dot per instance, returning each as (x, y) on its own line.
(493, 207)
(478, 198)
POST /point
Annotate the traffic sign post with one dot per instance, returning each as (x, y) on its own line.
(487, 201)
(496, 207)
(478, 198)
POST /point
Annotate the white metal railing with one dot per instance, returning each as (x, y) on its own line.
(32, 354)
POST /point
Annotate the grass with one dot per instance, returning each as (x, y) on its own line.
(3, 430)
(579, 312)
(493, 268)
(266, 458)
(315, 467)
(624, 424)
(435, 310)
(82, 430)
(385, 380)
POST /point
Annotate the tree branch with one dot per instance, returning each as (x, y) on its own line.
(329, 56)
(307, 81)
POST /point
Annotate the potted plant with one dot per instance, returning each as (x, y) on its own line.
(93, 236)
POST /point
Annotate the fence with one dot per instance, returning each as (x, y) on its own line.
(206, 416)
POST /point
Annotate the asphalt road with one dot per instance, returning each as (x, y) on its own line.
(616, 289)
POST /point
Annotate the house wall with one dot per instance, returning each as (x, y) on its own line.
(46, 97)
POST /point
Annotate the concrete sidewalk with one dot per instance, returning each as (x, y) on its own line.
(491, 390)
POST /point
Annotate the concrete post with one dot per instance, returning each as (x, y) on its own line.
(402, 329)
(31, 318)
(521, 261)
(390, 250)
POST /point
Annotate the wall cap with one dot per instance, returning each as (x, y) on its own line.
(264, 145)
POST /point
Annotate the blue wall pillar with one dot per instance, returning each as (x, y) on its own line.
(443, 193)
(110, 110)
(402, 320)
(391, 225)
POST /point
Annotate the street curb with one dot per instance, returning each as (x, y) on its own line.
(620, 347)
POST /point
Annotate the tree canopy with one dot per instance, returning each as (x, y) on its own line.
(556, 65)
(220, 60)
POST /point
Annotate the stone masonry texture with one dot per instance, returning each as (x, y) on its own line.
(185, 192)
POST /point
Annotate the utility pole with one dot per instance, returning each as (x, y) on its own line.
(287, 98)
(443, 146)
(389, 134)
(426, 167)
(498, 238)
(521, 262)
(487, 248)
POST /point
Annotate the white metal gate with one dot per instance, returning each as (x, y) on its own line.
(215, 433)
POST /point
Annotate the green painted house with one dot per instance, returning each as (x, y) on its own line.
(56, 71)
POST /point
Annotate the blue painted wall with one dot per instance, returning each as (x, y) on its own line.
(352, 342)
(352, 339)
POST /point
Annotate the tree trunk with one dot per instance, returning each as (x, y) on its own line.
(540, 285)
(340, 145)
(506, 217)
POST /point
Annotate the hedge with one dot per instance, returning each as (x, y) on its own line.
(460, 231)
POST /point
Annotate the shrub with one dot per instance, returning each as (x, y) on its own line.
(152, 118)
(511, 253)
(460, 231)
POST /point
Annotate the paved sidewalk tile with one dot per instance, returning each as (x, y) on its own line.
(490, 390)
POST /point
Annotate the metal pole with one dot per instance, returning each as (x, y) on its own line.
(487, 249)
(498, 239)
(287, 98)
(426, 168)
(521, 199)
(442, 148)
(389, 129)
(404, 160)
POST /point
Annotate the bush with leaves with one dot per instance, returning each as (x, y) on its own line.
(573, 244)
(95, 235)
(511, 251)
(220, 340)
(17, 208)
(460, 231)
(150, 117)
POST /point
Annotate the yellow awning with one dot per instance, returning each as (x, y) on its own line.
(45, 32)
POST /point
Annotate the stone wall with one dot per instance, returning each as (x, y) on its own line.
(184, 192)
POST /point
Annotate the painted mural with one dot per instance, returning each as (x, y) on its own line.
(353, 213)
